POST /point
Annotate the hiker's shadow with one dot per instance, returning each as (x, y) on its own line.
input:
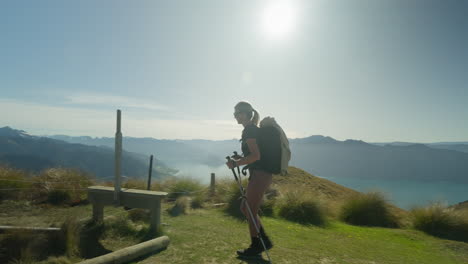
(259, 260)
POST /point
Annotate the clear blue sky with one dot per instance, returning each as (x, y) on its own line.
(371, 70)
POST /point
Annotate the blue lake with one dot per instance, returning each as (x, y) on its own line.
(408, 193)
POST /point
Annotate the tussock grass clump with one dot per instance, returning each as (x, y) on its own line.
(61, 186)
(298, 206)
(222, 190)
(181, 206)
(15, 184)
(198, 200)
(28, 246)
(58, 197)
(369, 209)
(141, 184)
(71, 229)
(267, 207)
(177, 187)
(233, 200)
(438, 220)
(139, 215)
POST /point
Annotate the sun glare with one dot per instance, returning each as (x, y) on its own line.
(279, 19)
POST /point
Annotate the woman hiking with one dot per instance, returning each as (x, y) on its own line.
(259, 179)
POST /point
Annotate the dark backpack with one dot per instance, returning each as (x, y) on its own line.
(269, 143)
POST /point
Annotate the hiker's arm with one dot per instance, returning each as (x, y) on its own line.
(254, 153)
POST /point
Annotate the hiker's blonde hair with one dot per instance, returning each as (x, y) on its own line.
(252, 114)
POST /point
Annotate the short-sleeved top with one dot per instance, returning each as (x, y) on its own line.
(250, 131)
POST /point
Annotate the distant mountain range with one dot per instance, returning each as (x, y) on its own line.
(458, 146)
(320, 155)
(33, 153)
(358, 159)
(171, 152)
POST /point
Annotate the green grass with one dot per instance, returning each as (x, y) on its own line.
(212, 236)
(209, 236)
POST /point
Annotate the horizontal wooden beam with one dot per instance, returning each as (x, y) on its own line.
(130, 253)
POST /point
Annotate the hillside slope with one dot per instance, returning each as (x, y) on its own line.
(461, 206)
(33, 153)
(332, 193)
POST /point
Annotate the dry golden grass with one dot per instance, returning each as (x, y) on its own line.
(333, 194)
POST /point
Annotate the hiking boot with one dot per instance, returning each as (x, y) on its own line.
(266, 239)
(254, 250)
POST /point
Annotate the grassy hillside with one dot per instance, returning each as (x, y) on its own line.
(35, 153)
(461, 206)
(209, 235)
(333, 194)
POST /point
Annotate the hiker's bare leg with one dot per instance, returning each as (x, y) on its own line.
(258, 184)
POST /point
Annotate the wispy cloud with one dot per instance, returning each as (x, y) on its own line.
(114, 101)
(43, 119)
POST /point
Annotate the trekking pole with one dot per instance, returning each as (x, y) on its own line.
(244, 199)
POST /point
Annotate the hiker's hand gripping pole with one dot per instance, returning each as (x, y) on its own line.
(230, 160)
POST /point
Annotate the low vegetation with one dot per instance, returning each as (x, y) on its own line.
(299, 206)
(15, 184)
(369, 209)
(58, 186)
(308, 216)
(177, 187)
(233, 200)
(198, 200)
(439, 220)
(181, 206)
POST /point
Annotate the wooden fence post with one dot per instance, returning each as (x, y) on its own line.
(150, 173)
(213, 183)
(118, 159)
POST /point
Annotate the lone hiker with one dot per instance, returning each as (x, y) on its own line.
(259, 179)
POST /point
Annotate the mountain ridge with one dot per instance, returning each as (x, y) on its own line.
(35, 153)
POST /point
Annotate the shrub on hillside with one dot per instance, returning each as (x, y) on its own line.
(141, 184)
(233, 200)
(133, 183)
(222, 189)
(54, 184)
(177, 187)
(28, 246)
(267, 207)
(198, 200)
(181, 206)
(299, 206)
(58, 197)
(14, 184)
(369, 209)
(438, 220)
(71, 230)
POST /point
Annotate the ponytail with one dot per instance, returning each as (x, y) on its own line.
(256, 117)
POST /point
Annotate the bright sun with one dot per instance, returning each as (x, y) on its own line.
(279, 19)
